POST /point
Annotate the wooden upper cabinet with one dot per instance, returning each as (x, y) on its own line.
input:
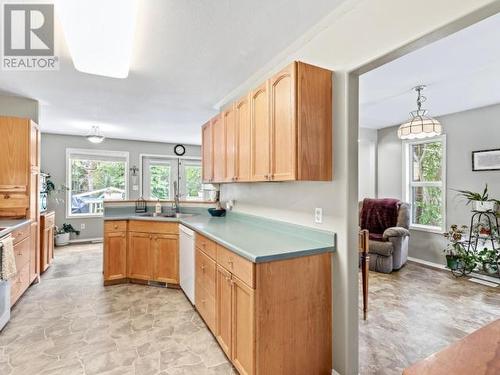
(15, 161)
(229, 118)
(166, 258)
(219, 148)
(283, 130)
(34, 146)
(261, 135)
(207, 153)
(243, 124)
(283, 125)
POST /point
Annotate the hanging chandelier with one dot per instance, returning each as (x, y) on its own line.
(420, 125)
(95, 136)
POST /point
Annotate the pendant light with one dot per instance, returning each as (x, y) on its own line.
(420, 125)
(95, 136)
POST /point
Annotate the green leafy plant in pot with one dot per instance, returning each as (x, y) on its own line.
(455, 249)
(63, 234)
(481, 202)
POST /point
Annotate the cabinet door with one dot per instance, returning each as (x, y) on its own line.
(34, 146)
(44, 249)
(259, 102)
(139, 256)
(224, 306)
(219, 147)
(34, 252)
(243, 329)
(207, 153)
(115, 256)
(243, 125)
(231, 145)
(283, 125)
(205, 288)
(50, 244)
(166, 258)
(15, 161)
(34, 205)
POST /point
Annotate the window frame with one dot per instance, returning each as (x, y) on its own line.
(91, 152)
(408, 182)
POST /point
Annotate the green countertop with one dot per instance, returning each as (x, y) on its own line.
(254, 238)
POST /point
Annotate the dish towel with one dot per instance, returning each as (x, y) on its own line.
(7, 259)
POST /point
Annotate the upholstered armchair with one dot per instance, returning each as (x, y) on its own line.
(387, 221)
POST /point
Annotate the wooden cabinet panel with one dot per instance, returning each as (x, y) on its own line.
(34, 251)
(156, 227)
(34, 205)
(166, 258)
(46, 240)
(207, 246)
(244, 131)
(115, 226)
(50, 244)
(219, 147)
(261, 135)
(223, 332)
(19, 283)
(13, 204)
(205, 288)
(229, 118)
(283, 125)
(115, 256)
(15, 161)
(22, 252)
(34, 146)
(207, 153)
(242, 268)
(243, 320)
(139, 262)
(21, 233)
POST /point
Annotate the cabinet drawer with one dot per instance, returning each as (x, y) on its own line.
(242, 268)
(115, 226)
(22, 253)
(13, 200)
(153, 227)
(49, 220)
(206, 245)
(21, 233)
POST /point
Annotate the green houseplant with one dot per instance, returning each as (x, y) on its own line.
(454, 250)
(63, 234)
(481, 202)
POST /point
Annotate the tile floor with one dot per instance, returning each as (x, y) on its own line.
(71, 324)
(417, 311)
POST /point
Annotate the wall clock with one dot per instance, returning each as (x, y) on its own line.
(179, 150)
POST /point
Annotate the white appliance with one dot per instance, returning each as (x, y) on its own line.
(4, 299)
(186, 260)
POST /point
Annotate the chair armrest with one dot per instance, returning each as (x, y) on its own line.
(396, 232)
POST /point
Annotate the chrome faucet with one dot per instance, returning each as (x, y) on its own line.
(176, 198)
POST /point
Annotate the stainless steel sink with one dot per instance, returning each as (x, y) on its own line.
(180, 215)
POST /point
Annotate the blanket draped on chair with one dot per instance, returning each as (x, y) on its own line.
(379, 214)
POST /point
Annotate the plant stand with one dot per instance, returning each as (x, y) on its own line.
(478, 259)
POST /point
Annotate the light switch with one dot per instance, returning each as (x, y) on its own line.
(318, 215)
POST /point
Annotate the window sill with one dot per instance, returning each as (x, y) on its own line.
(91, 216)
(428, 229)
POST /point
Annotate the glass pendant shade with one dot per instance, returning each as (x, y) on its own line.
(95, 136)
(420, 125)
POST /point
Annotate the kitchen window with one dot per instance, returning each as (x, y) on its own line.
(93, 176)
(160, 172)
(425, 183)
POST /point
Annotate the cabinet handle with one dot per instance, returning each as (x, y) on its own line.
(203, 267)
(116, 226)
(230, 262)
(6, 196)
(150, 236)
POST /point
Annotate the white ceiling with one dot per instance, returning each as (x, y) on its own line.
(187, 56)
(461, 71)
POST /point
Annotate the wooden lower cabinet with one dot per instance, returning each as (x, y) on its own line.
(23, 252)
(205, 287)
(280, 326)
(224, 297)
(132, 251)
(47, 226)
(115, 256)
(139, 259)
(166, 258)
(34, 252)
(243, 327)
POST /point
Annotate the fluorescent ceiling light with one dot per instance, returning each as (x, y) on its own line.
(99, 34)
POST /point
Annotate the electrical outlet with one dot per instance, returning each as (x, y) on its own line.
(82, 226)
(318, 215)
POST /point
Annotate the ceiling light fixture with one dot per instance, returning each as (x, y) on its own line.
(99, 34)
(420, 125)
(95, 136)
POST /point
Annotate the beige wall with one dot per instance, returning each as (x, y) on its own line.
(355, 34)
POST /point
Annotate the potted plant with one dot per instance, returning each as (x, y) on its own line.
(454, 249)
(481, 202)
(63, 234)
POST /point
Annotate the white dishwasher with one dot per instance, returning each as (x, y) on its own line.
(186, 260)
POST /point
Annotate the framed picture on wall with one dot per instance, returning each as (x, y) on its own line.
(486, 160)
